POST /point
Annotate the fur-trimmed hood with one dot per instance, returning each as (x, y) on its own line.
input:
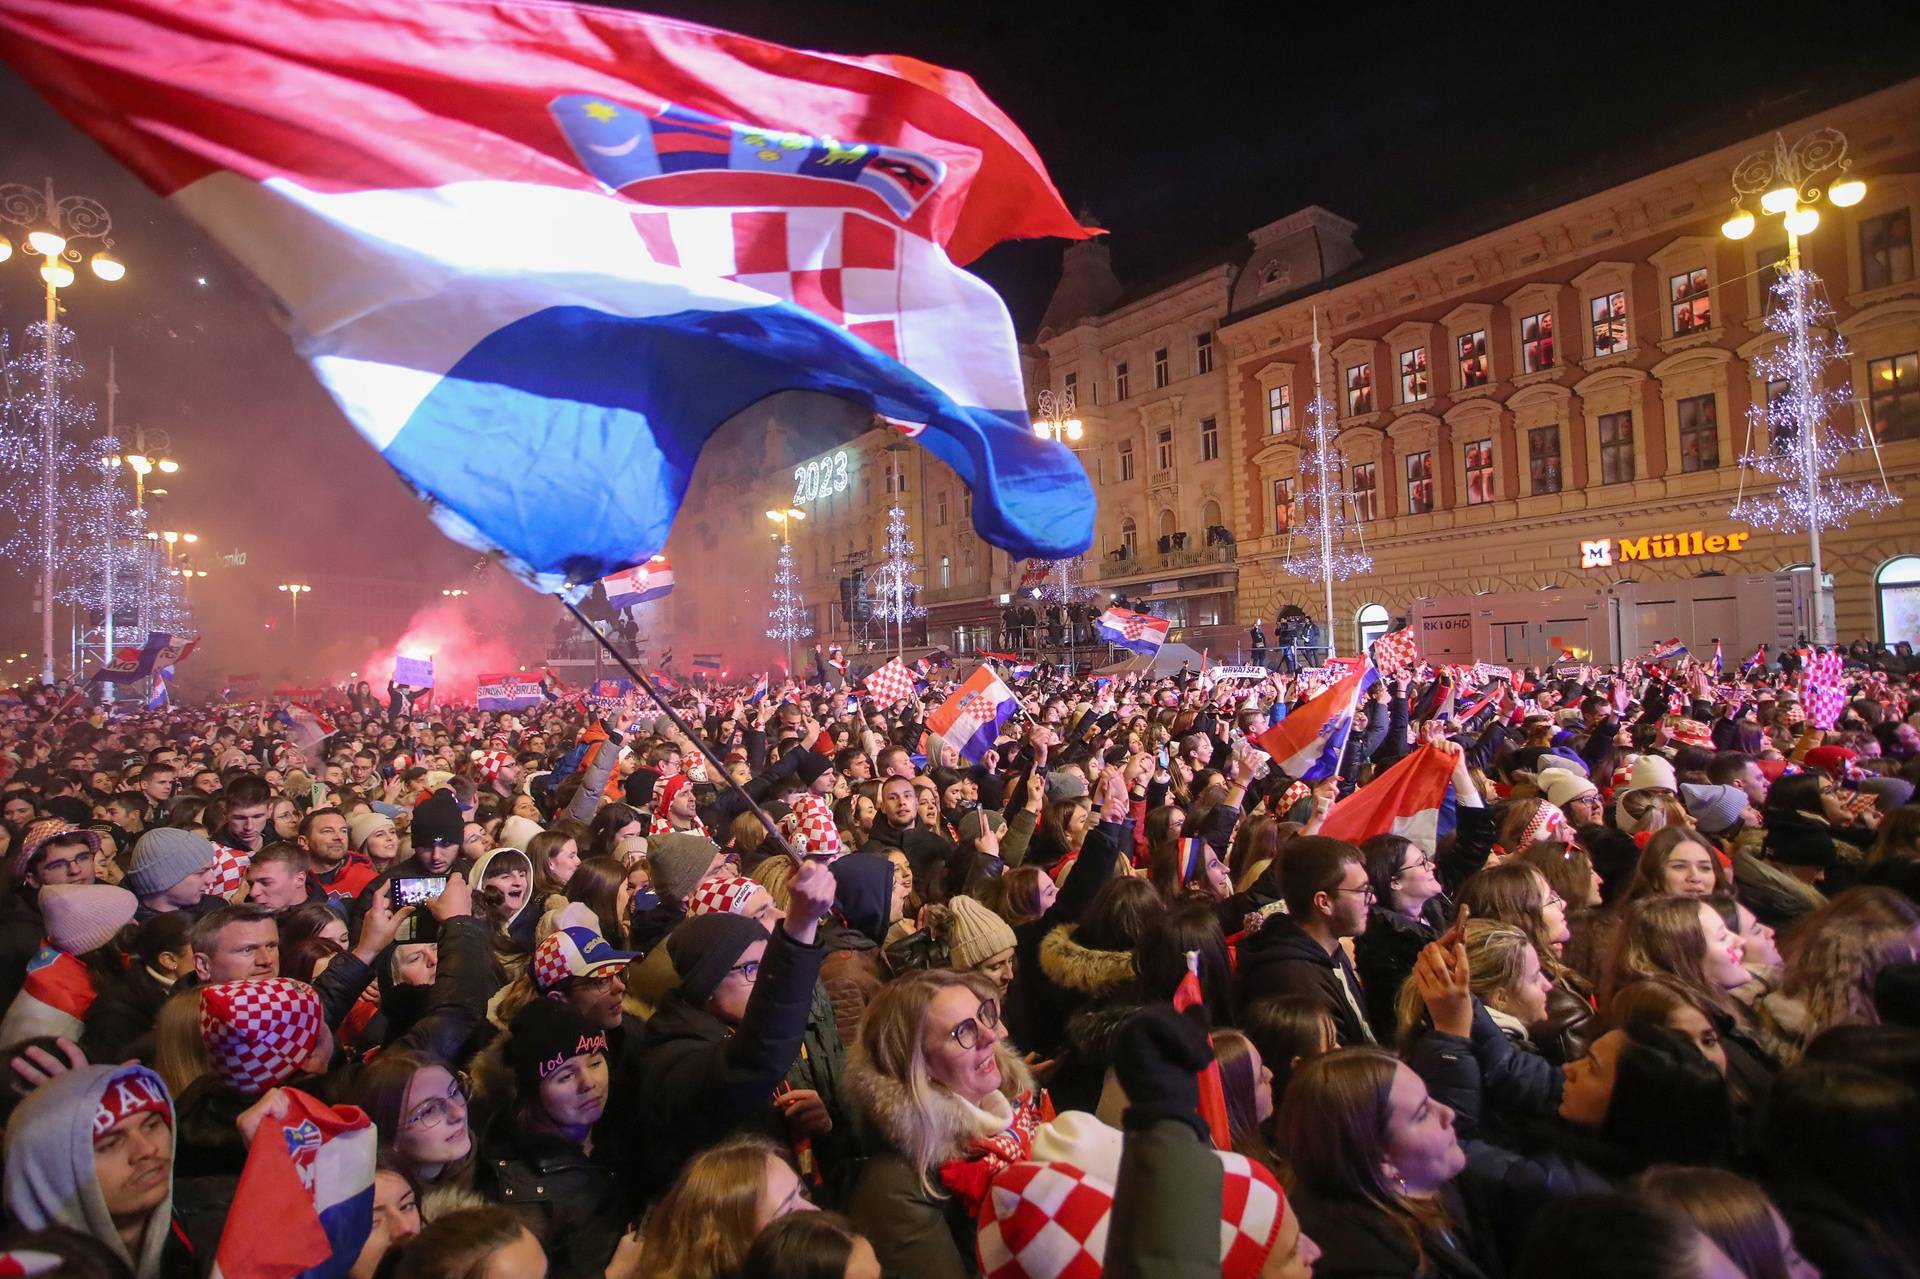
(893, 1114)
(1081, 969)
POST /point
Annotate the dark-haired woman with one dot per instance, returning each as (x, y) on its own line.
(1408, 912)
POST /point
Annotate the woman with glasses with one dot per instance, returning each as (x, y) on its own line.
(1408, 911)
(420, 1107)
(937, 1080)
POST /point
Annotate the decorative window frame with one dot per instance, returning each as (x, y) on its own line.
(1689, 253)
(1598, 280)
(1885, 195)
(1522, 305)
(1886, 329)
(1478, 420)
(1269, 375)
(1279, 460)
(1457, 323)
(1613, 390)
(1401, 339)
(1349, 353)
(1417, 433)
(1698, 370)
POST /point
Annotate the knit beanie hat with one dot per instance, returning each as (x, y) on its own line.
(164, 856)
(678, 862)
(979, 821)
(1651, 772)
(517, 831)
(666, 791)
(546, 1035)
(1065, 784)
(812, 766)
(1562, 788)
(1713, 808)
(809, 828)
(728, 893)
(975, 933)
(704, 948)
(81, 918)
(364, 825)
(437, 820)
(259, 1031)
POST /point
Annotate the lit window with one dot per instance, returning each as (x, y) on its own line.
(1129, 537)
(1203, 353)
(1692, 302)
(1209, 439)
(1616, 448)
(1419, 483)
(1282, 505)
(1886, 250)
(1360, 388)
(1479, 454)
(1279, 410)
(1120, 380)
(1413, 375)
(1163, 449)
(946, 572)
(1536, 342)
(1126, 460)
(1543, 458)
(1160, 377)
(940, 509)
(1473, 358)
(1894, 397)
(1609, 314)
(1365, 483)
(1699, 433)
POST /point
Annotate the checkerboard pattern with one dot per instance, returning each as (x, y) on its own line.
(1826, 692)
(229, 871)
(259, 1031)
(891, 684)
(1396, 651)
(1045, 1219)
(841, 265)
(810, 829)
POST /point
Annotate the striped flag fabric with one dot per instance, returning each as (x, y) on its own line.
(310, 1174)
(1667, 650)
(1759, 658)
(1141, 632)
(1213, 1090)
(1717, 661)
(759, 693)
(1404, 800)
(970, 719)
(637, 585)
(1307, 744)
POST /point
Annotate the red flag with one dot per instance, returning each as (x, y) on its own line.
(1213, 1094)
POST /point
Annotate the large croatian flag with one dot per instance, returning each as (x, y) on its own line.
(1141, 632)
(540, 253)
(309, 1179)
(1407, 799)
(971, 719)
(641, 583)
(1307, 744)
(506, 692)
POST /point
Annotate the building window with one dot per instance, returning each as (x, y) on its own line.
(1692, 302)
(1473, 358)
(966, 502)
(1780, 435)
(1279, 410)
(1209, 439)
(1129, 538)
(1886, 250)
(1203, 353)
(1163, 449)
(1543, 458)
(1609, 314)
(1360, 388)
(1419, 483)
(1768, 266)
(966, 566)
(1699, 433)
(1616, 448)
(1070, 384)
(1283, 505)
(946, 572)
(1160, 367)
(1374, 622)
(1126, 461)
(1413, 375)
(1894, 397)
(1366, 481)
(1897, 586)
(1536, 342)
(940, 510)
(1479, 454)
(1120, 380)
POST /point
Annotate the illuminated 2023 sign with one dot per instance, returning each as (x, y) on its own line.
(822, 477)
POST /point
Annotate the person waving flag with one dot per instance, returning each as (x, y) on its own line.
(541, 253)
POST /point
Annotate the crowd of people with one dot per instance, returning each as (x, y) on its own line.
(1647, 1004)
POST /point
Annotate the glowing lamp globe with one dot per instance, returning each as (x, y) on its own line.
(1739, 226)
(1803, 221)
(48, 244)
(57, 273)
(6, 248)
(1847, 193)
(1073, 428)
(107, 267)
(1040, 429)
(1778, 200)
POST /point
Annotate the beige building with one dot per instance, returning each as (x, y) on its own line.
(1582, 375)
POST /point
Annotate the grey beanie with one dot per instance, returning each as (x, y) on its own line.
(1065, 784)
(978, 822)
(164, 856)
(678, 862)
(1713, 808)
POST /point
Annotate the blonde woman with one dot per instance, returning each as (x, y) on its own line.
(1833, 959)
(935, 1077)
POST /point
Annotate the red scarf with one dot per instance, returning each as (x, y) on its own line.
(970, 1175)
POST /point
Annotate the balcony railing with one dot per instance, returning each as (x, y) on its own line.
(1172, 562)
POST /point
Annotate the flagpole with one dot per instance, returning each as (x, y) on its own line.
(1326, 523)
(700, 743)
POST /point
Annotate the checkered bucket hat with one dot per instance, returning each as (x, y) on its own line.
(259, 1031)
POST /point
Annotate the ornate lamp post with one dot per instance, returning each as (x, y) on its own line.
(53, 227)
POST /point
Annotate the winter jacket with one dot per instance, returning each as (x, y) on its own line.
(1166, 1206)
(1776, 898)
(699, 1082)
(1570, 1027)
(603, 753)
(1384, 956)
(648, 928)
(917, 1230)
(22, 929)
(120, 1024)
(1511, 1077)
(862, 912)
(575, 1203)
(1093, 1028)
(1030, 1018)
(1281, 959)
(1359, 1241)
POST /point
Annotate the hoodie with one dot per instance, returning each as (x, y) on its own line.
(50, 1178)
(521, 925)
(1282, 959)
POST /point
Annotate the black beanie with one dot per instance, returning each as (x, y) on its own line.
(544, 1036)
(705, 947)
(811, 766)
(437, 820)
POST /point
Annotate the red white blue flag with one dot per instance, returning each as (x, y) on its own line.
(971, 719)
(1404, 800)
(540, 253)
(304, 1205)
(1307, 744)
(1142, 632)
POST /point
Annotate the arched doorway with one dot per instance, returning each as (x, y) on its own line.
(1373, 621)
(1896, 590)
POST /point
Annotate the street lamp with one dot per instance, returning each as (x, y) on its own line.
(1056, 421)
(1790, 183)
(52, 227)
(296, 590)
(453, 592)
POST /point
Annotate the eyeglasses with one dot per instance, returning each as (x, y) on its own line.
(748, 971)
(967, 1033)
(1555, 899)
(1365, 890)
(1422, 862)
(433, 1113)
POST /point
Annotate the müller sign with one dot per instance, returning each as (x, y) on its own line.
(1658, 546)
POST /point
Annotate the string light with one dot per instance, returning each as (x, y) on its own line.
(788, 616)
(1805, 441)
(1317, 538)
(893, 591)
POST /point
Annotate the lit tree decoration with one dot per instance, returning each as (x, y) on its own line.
(789, 617)
(1062, 583)
(27, 381)
(892, 586)
(102, 539)
(1317, 541)
(1804, 440)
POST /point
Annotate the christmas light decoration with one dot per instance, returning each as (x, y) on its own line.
(1320, 525)
(1795, 440)
(788, 615)
(892, 586)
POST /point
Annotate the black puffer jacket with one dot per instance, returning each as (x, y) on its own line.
(577, 1204)
(1384, 956)
(1032, 1017)
(1281, 959)
(120, 1023)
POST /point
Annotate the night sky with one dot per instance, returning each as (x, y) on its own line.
(1179, 128)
